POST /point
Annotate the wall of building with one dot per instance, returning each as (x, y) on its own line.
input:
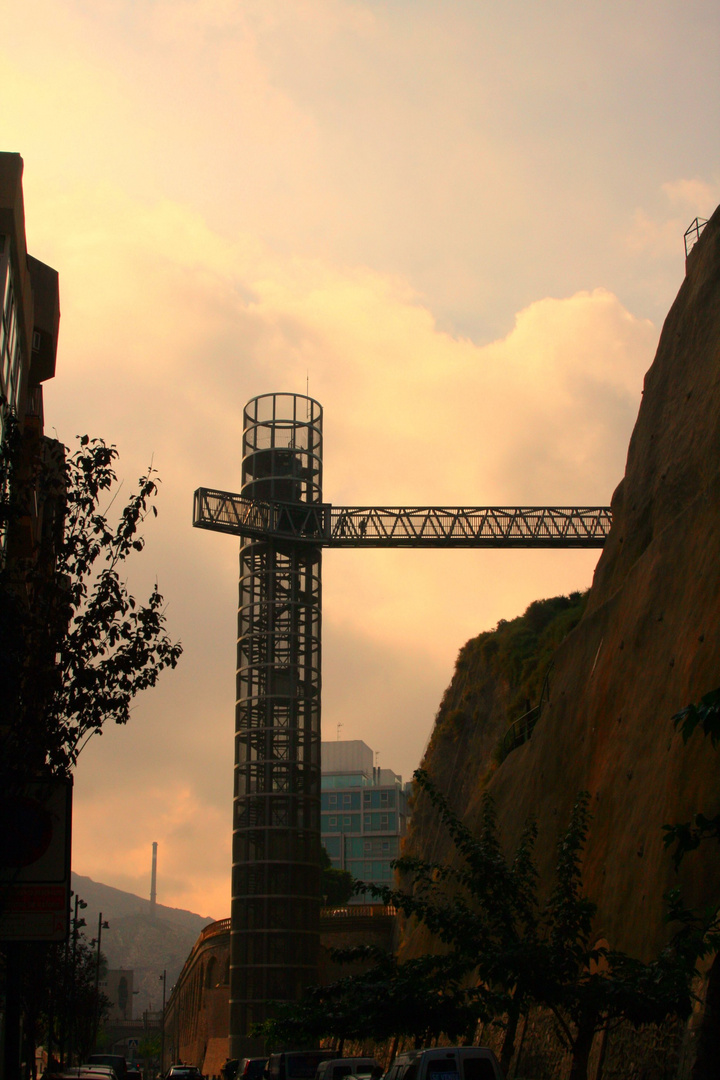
(347, 756)
(118, 987)
(364, 814)
(197, 1012)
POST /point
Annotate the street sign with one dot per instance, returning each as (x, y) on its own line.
(35, 861)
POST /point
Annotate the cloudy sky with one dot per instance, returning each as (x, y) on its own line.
(461, 221)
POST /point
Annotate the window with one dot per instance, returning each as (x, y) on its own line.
(366, 821)
(476, 1068)
(384, 796)
(347, 822)
(384, 819)
(332, 823)
(346, 800)
(333, 800)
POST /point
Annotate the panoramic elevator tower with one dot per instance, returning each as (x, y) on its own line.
(283, 525)
(276, 822)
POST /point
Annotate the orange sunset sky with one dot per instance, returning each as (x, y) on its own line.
(461, 221)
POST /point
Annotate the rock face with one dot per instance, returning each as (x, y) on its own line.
(647, 645)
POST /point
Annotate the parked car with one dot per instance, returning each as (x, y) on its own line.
(336, 1068)
(116, 1061)
(183, 1072)
(87, 1072)
(296, 1064)
(134, 1071)
(251, 1068)
(446, 1063)
(100, 1070)
(83, 1072)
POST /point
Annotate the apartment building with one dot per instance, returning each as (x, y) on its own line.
(364, 812)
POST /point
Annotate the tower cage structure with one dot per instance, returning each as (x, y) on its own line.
(276, 828)
(283, 524)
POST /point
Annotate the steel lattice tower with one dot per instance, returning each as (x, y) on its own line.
(276, 829)
(284, 524)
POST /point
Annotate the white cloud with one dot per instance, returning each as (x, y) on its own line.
(168, 329)
(412, 203)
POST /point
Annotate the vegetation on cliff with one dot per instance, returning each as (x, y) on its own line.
(513, 660)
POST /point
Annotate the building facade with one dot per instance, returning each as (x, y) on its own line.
(197, 1013)
(364, 813)
(29, 304)
(29, 323)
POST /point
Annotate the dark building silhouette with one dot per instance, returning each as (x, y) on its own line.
(29, 306)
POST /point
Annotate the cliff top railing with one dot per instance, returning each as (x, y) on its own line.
(692, 234)
(325, 525)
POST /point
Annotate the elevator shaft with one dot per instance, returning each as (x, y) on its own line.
(276, 828)
(284, 525)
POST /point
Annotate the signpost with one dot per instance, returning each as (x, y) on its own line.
(35, 830)
(35, 861)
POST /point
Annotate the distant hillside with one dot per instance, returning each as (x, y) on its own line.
(135, 940)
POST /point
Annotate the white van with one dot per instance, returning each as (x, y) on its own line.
(446, 1063)
(337, 1068)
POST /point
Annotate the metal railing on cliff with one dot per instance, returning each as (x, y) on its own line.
(520, 731)
(692, 234)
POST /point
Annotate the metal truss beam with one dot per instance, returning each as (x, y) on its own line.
(330, 526)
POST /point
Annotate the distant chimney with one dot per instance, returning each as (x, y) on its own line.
(153, 881)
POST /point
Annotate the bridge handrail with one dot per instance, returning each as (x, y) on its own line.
(325, 525)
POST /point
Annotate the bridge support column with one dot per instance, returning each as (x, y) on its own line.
(276, 824)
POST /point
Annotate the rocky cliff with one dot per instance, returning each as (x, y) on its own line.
(646, 646)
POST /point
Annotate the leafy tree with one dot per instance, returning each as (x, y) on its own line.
(419, 998)
(688, 835)
(336, 885)
(75, 646)
(589, 987)
(485, 911)
(61, 1004)
(149, 1048)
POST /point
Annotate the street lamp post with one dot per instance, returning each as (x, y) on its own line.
(77, 923)
(101, 926)
(163, 980)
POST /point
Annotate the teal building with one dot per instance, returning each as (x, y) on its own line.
(364, 813)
